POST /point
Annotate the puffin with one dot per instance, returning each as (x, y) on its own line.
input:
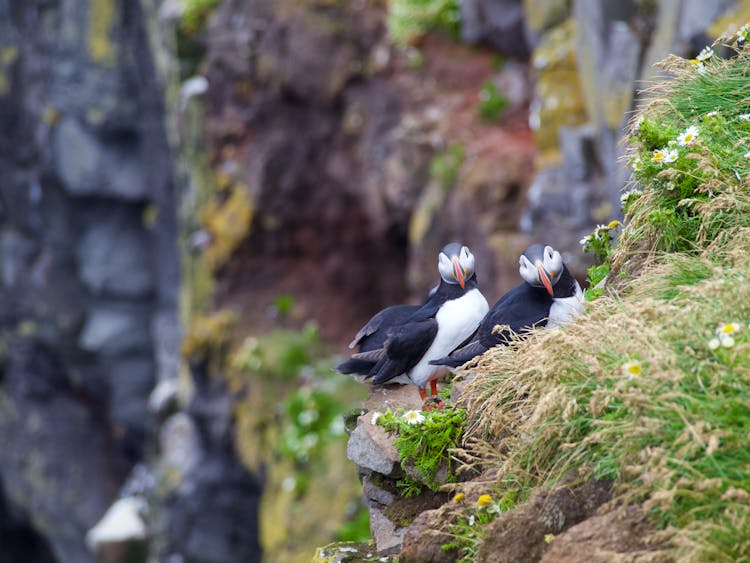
(398, 343)
(549, 297)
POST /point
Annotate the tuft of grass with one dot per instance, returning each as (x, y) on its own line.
(424, 441)
(492, 102)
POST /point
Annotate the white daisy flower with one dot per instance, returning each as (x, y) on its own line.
(625, 197)
(711, 114)
(688, 136)
(747, 154)
(728, 328)
(632, 368)
(663, 156)
(705, 54)
(744, 116)
(585, 240)
(727, 341)
(471, 520)
(714, 344)
(636, 164)
(413, 417)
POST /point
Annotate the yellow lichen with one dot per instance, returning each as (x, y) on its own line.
(101, 18)
(228, 222)
(8, 55)
(209, 336)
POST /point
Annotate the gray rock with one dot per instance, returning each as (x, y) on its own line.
(385, 533)
(17, 254)
(497, 22)
(114, 258)
(90, 164)
(371, 448)
(114, 329)
(372, 492)
(131, 379)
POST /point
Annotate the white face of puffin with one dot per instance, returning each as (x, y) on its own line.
(541, 269)
(456, 264)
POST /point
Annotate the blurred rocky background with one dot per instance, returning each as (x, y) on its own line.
(200, 202)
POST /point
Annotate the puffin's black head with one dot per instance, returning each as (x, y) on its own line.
(541, 266)
(456, 263)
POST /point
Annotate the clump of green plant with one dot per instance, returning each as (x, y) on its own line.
(600, 243)
(282, 353)
(424, 441)
(410, 19)
(467, 531)
(492, 102)
(444, 167)
(689, 155)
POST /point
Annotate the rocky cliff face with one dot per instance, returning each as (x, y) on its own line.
(89, 270)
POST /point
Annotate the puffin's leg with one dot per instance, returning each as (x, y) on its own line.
(433, 388)
(422, 393)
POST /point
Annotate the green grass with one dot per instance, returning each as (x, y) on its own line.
(646, 389)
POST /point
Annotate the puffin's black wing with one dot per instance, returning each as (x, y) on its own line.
(405, 346)
(374, 333)
(521, 309)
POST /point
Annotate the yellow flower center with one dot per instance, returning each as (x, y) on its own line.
(484, 500)
(728, 328)
(612, 224)
(658, 157)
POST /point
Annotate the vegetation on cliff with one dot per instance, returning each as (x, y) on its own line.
(649, 388)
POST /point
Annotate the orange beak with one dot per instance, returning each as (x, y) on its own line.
(545, 280)
(458, 272)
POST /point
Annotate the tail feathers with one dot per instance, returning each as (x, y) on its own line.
(462, 355)
(355, 366)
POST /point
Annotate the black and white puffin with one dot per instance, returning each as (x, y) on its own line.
(398, 343)
(549, 296)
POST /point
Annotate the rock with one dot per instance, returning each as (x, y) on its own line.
(113, 329)
(619, 535)
(120, 536)
(371, 491)
(114, 257)
(16, 254)
(90, 164)
(518, 535)
(386, 534)
(497, 22)
(164, 397)
(131, 379)
(371, 448)
(181, 448)
(425, 538)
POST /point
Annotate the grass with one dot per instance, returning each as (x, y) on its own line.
(410, 19)
(651, 387)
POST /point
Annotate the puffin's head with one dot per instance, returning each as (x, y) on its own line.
(456, 263)
(541, 266)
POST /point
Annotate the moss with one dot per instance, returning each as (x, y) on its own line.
(228, 220)
(209, 336)
(410, 19)
(101, 20)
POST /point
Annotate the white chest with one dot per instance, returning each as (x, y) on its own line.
(457, 320)
(565, 309)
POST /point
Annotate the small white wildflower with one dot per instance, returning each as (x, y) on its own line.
(701, 68)
(585, 240)
(375, 416)
(602, 228)
(413, 417)
(664, 156)
(632, 368)
(348, 549)
(747, 154)
(727, 341)
(307, 417)
(636, 165)
(705, 54)
(744, 117)
(714, 344)
(743, 32)
(625, 197)
(688, 136)
(711, 114)
(471, 520)
(288, 484)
